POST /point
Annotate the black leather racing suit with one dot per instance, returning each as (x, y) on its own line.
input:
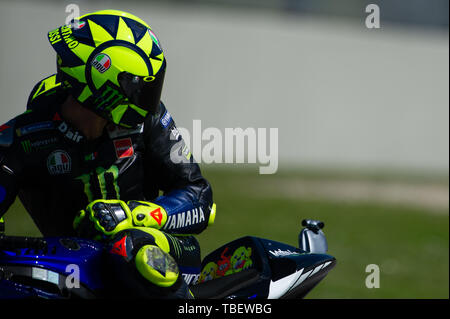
(56, 171)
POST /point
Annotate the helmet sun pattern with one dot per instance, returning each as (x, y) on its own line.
(112, 63)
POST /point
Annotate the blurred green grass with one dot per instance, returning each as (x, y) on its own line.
(409, 244)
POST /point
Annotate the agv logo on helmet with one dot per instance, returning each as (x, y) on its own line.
(101, 62)
(78, 24)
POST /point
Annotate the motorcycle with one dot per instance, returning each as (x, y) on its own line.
(246, 268)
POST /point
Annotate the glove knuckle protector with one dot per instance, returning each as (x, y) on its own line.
(106, 217)
(147, 214)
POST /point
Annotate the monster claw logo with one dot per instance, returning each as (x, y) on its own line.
(108, 97)
(101, 184)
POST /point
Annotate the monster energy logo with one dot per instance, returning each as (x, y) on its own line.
(101, 184)
(176, 245)
(26, 145)
(109, 98)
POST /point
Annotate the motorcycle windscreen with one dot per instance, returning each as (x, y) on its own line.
(142, 91)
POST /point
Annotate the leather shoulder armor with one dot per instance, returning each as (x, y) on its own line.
(7, 133)
(46, 91)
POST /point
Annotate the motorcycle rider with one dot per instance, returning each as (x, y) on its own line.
(95, 148)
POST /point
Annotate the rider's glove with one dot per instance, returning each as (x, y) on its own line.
(147, 214)
(104, 218)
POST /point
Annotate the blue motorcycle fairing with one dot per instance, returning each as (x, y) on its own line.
(62, 256)
(246, 268)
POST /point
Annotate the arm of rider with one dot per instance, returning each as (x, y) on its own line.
(186, 206)
(104, 218)
(11, 167)
(171, 168)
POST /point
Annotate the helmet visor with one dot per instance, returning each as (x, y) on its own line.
(142, 91)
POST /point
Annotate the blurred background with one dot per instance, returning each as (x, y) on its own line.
(362, 117)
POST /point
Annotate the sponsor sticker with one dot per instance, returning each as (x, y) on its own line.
(72, 135)
(101, 62)
(59, 162)
(124, 148)
(45, 275)
(29, 146)
(283, 253)
(41, 126)
(157, 215)
(166, 119)
(78, 24)
(185, 219)
(175, 134)
(154, 38)
(63, 35)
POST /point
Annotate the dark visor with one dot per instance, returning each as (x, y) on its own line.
(142, 91)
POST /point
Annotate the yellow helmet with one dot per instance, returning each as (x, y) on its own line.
(112, 63)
